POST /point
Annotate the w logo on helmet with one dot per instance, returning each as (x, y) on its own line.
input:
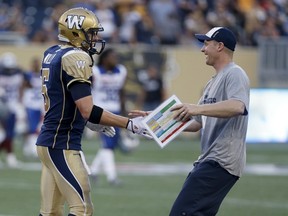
(75, 21)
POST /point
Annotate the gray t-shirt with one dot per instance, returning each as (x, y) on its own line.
(223, 139)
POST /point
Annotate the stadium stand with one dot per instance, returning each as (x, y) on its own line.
(36, 21)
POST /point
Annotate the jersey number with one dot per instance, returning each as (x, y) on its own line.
(45, 78)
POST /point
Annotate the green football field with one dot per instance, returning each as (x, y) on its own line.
(152, 178)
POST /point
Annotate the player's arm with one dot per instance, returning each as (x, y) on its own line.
(76, 65)
(99, 116)
(81, 94)
(83, 99)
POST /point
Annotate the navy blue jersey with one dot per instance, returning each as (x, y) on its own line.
(63, 124)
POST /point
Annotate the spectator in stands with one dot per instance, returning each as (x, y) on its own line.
(4, 17)
(108, 19)
(12, 19)
(167, 25)
(144, 30)
(48, 31)
(253, 24)
(88, 4)
(221, 15)
(174, 20)
(129, 17)
(271, 29)
(194, 22)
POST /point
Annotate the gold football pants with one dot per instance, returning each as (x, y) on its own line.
(64, 179)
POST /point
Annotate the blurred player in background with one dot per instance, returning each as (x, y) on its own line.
(108, 92)
(33, 103)
(3, 107)
(11, 81)
(66, 87)
(222, 116)
(153, 90)
(4, 112)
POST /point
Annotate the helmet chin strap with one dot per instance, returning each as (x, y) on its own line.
(85, 47)
(92, 51)
(92, 59)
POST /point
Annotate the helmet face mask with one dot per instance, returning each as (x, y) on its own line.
(94, 45)
(79, 27)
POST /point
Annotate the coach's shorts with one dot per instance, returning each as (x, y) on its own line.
(203, 191)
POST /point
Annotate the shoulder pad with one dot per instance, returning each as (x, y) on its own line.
(77, 63)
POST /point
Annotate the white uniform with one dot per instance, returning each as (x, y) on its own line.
(32, 97)
(106, 87)
(11, 84)
(106, 94)
(33, 102)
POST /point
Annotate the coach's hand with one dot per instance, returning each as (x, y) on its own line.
(107, 130)
(182, 111)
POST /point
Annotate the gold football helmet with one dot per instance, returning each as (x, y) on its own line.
(80, 26)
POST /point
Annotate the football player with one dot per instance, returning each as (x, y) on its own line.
(66, 79)
(11, 81)
(33, 102)
(109, 79)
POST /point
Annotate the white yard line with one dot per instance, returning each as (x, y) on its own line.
(7, 215)
(173, 168)
(18, 185)
(266, 169)
(258, 203)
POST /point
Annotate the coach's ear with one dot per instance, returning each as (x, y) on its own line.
(220, 46)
